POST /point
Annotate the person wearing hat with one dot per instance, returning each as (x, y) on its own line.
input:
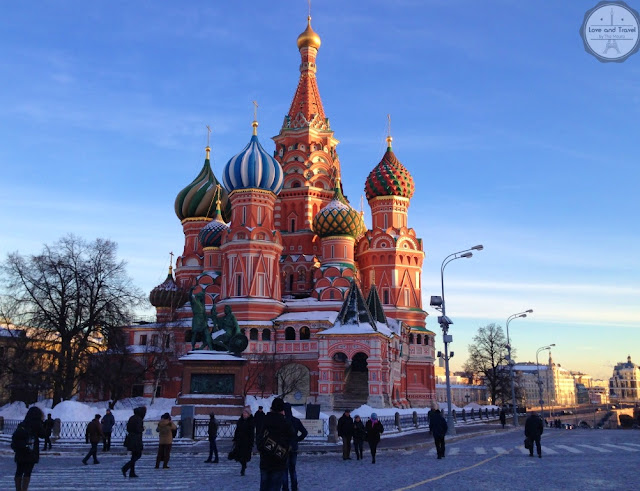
(279, 433)
(243, 439)
(93, 436)
(374, 429)
(213, 435)
(258, 419)
(345, 431)
(108, 422)
(166, 428)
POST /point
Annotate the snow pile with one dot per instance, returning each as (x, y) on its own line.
(85, 411)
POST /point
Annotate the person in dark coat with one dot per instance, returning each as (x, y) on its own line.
(213, 435)
(93, 436)
(345, 431)
(108, 422)
(26, 445)
(133, 441)
(359, 436)
(533, 429)
(243, 439)
(300, 434)
(374, 429)
(503, 417)
(272, 467)
(48, 429)
(438, 428)
(258, 420)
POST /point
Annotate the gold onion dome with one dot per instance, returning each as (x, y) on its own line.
(196, 200)
(309, 38)
(338, 218)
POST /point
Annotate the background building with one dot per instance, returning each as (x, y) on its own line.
(623, 385)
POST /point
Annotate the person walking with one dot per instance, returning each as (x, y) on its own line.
(345, 431)
(258, 420)
(533, 429)
(503, 417)
(438, 428)
(243, 439)
(48, 429)
(93, 435)
(359, 436)
(166, 429)
(26, 445)
(300, 434)
(374, 429)
(133, 440)
(274, 445)
(108, 422)
(213, 435)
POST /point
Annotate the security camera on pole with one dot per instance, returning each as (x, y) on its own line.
(444, 321)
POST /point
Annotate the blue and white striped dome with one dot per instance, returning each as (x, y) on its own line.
(253, 168)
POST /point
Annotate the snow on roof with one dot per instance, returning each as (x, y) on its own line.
(314, 315)
(529, 368)
(255, 323)
(351, 329)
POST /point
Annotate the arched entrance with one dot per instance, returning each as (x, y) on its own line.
(356, 387)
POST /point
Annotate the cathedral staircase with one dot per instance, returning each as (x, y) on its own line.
(356, 392)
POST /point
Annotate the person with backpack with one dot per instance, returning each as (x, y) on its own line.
(359, 436)
(438, 428)
(26, 445)
(274, 445)
(133, 440)
(48, 429)
(167, 429)
(374, 429)
(108, 422)
(301, 434)
(93, 436)
(213, 435)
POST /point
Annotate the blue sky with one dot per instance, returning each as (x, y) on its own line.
(516, 138)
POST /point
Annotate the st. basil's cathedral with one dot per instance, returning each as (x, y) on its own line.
(276, 240)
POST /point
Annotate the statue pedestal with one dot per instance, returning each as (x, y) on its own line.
(212, 381)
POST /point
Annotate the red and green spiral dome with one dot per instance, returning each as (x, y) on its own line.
(389, 178)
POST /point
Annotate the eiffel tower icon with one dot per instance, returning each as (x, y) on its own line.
(611, 43)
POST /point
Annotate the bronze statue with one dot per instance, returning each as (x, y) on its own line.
(199, 322)
(232, 340)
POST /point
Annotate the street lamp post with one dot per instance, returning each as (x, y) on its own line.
(511, 363)
(445, 322)
(539, 380)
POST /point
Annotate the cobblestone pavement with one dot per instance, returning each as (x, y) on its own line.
(578, 459)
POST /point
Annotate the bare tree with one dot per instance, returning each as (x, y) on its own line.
(487, 359)
(73, 296)
(260, 374)
(291, 376)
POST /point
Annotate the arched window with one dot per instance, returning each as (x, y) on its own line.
(410, 338)
(290, 334)
(253, 334)
(291, 282)
(266, 334)
(419, 339)
(295, 184)
(305, 333)
(385, 295)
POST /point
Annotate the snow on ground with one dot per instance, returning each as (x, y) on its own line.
(85, 411)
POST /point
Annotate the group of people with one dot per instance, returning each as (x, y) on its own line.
(354, 429)
(276, 435)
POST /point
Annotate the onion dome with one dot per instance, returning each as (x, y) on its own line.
(253, 167)
(211, 233)
(338, 218)
(196, 200)
(389, 178)
(309, 38)
(167, 294)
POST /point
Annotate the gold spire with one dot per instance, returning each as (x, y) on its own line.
(218, 205)
(208, 148)
(255, 118)
(389, 137)
(171, 265)
(309, 38)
